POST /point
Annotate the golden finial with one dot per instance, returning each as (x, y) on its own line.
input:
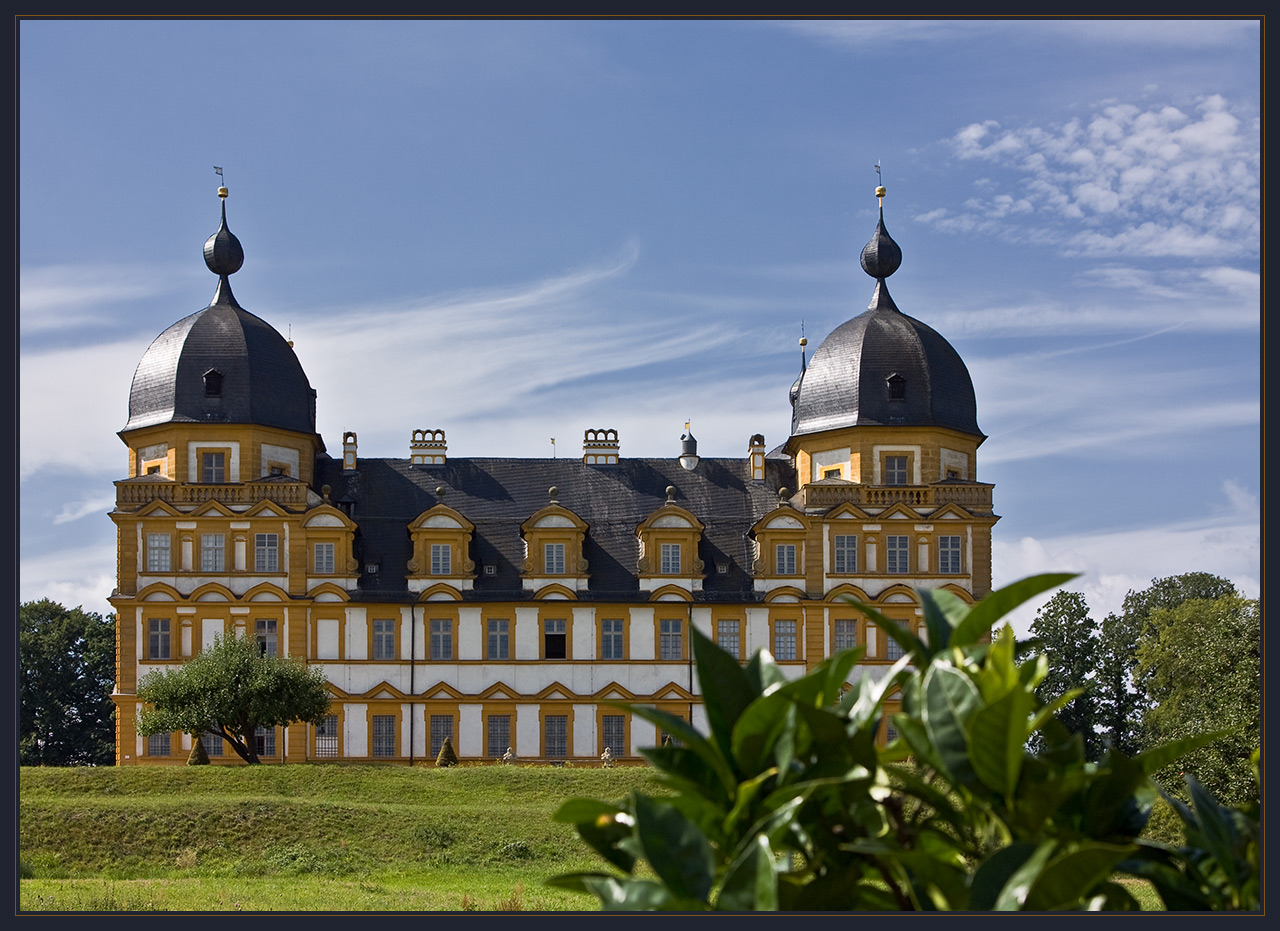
(222, 191)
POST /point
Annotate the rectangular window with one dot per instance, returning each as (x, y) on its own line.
(611, 639)
(784, 640)
(327, 736)
(831, 473)
(266, 552)
(786, 558)
(158, 638)
(441, 728)
(729, 637)
(845, 552)
(268, 642)
(892, 649)
(384, 638)
(158, 745)
(670, 559)
(384, 735)
(499, 737)
(553, 558)
(897, 549)
(846, 635)
(499, 640)
(324, 559)
(613, 734)
(670, 640)
(213, 552)
(895, 470)
(264, 740)
(212, 744)
(554, 639)
(555, 739)
(158, 552)
(441, 638)
(949, 554)
(213, 468)
(441, 558)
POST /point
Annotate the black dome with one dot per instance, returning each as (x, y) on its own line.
(222, 364)
(883, 367)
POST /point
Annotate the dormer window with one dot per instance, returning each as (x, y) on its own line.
(213, 384)
(213, 468)
(897, 387)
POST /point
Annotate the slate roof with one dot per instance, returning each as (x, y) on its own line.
(384, 495)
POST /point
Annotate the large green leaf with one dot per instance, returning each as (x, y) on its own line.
(983, 616)
(727, 690)
(997, 741)
(994, 874)
(766, 726)
(682, 730)
(617, 895)
(675, 848)
(950, 699)
(1013, 895)
(751, 882)
(1068, 880)
(1219, 833)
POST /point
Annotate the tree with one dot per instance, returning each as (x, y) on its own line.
(1202, 665)
(66, 670)
(232, 688)
(1068, 638)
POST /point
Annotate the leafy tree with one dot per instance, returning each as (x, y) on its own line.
(1068, 638)
(788, 803)
(1202, 666)
(231, 689)
(66, 670)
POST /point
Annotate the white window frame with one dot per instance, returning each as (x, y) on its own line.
(618, 724)
(555, 627)
(729, 636)
(266, 552)
(844, 634)
(670, 638)
(324, 558)
(785, 558)
(327, 738)
(612, 640)
(159, 553)
(213, 552)
(267, 633)
(553, 558)
(784, 639)
(491, 739)
(555, 738)
(669, 562)
(844, 553)
(440, 727)
(441, 638)
(441, 558)
(382, 736)
(895, 467)
(213, 468)
(384, 638)
(159, 638)
(498, 639)
(897, 553)
(950, 561)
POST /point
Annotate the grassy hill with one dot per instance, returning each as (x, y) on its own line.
(309, 837)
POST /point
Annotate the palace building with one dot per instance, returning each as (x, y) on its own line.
(506, 603)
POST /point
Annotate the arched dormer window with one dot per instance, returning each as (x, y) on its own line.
(441, 549)
(213, 384)
(897, 387)
(553, 539)
(669, 540)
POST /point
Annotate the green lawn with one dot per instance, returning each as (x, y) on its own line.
(311, 837)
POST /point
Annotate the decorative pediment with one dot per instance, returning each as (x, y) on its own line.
(671, 516)
(158, 508)
(672, 691)
(554, 517)
(556, 692)
(328, 593)
(899, 511)
(950, 511)
(441, 591)
(326, 516)
(671, 593)
(846, 511)
(786, 594)
(213, 509)
(614, 692)
(213, 591)
(443, 690)
(385, 691)
(266, 508)
(266, 591)
(782, 519)
(841, 592)
(897, 594)
(159, 591)
(500, 691)
(441, 517)
(555, 592)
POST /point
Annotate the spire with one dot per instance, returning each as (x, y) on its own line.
(880, 259)
(224, 255)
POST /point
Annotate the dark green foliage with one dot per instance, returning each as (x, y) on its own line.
(66, 669)
(1068, 638)
(1201, 664)
(230, 689)
(198, 756)
(789, 804)
(446, 756)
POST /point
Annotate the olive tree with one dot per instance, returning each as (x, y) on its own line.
(230, 689)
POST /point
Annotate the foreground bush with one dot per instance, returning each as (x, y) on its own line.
(789, 804)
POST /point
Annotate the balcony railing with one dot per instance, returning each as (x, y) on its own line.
(131, 495)
(825, 497)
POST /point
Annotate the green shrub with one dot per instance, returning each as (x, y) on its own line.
(789, 803)
(446, 756)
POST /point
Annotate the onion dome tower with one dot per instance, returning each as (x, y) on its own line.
(222, 364)
(883, 367)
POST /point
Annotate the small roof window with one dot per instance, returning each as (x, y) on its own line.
(213, 384)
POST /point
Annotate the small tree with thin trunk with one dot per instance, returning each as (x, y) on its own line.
(231, 689)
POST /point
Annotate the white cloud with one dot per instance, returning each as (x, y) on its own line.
(1141, 182)
(72, 577)
(74, 510)
(54, 297)
(862, 33)
(1113, 564)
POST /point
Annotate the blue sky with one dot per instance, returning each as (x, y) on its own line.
(519, 230)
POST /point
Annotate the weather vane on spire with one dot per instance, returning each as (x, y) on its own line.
(222, 186)
(879, 185)
(803, 342)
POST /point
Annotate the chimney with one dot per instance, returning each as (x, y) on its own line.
(348, 452)
(427, 448)
(755, 453)
(600, 447)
